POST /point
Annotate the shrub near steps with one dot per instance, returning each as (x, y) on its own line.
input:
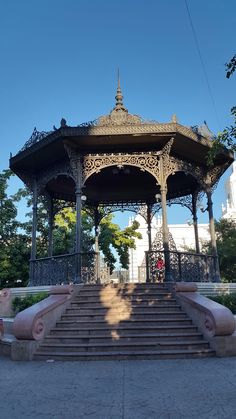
(140, 321)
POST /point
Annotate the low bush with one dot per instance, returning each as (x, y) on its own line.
(19, 304)
(227, 300)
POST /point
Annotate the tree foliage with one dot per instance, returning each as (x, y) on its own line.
(226, 245)
(226, 138)
(230, 67)
(111, 236)
(14, 244)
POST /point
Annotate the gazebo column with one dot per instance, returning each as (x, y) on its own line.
(165, 232)
(78, 195)
(34, 232)
(50, 225)
(212, 233)
(195, 220)
(149, 227)
(96, 225)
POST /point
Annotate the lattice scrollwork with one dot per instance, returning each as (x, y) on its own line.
(94, 163)
(189, 168)
(105, 209)
(166, 149)
(63, 269)
(36, 136)
(165, 162)
(158, 251)
(184, 266)
(156, 208)
(142, 210)
(213, 175)
(119, 117)
(157, 243)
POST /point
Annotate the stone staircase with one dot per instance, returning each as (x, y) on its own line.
(141, 321)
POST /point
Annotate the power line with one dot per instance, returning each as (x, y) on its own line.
(202, 64)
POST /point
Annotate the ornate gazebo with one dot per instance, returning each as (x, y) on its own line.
(120, 161)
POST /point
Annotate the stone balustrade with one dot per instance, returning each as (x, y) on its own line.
(34, 323)
(215, 321)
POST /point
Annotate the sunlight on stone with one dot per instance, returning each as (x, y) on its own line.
(118, 307)
(115, 335)
(130, 288)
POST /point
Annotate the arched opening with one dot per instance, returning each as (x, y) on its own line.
(121, 184)
(61, 187)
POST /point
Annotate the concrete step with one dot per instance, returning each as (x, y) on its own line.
(138, 301)
(139, 322)
(126, 286)
(75, 309)
(122, 293)
(123, 355)
(123, 296)
(124, 346)
(116, 316)
(137, 337)
(122, 330)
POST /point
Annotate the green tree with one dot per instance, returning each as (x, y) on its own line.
(112, 237)
(226, 245)
(230, 67)
(226, 138)
(14, 244)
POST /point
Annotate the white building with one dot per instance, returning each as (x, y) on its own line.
(229, 211)
(182, 234)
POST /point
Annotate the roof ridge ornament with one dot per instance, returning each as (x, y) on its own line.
(119, 114)
(174, 119)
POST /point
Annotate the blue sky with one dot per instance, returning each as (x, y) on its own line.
(59, 58)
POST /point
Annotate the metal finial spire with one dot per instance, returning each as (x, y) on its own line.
(119, 96)
(174, 118)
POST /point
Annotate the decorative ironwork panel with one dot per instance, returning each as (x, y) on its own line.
(213, 175)
(63, 269)
(158, 241)
(104, 274)
(94, 163)
(89, 266)
(177, 165)
(184, 266)
(123, 206)
(36, 136)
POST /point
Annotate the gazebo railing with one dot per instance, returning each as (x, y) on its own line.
(64, 269)
(184, 266)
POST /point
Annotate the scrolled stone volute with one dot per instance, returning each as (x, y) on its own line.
(35, 322)
(5, 294)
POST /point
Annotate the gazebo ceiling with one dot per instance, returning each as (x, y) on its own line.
(128, 183)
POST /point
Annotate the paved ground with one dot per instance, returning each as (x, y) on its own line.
(170, 389)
